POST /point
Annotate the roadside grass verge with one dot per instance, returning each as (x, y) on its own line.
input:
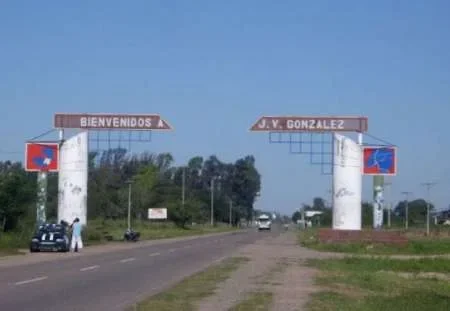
(101, 231)
(10, 243)
(258, 301)
(185, 294)
(98, 231)
(10, 252)
(417, 245)
(369, 284)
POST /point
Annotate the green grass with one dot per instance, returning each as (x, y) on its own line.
(184, 295)
(258, 301)
(359, 264)
(369, 284)
(417, 245)
(10, 243)
(10, 252)
(97, 231)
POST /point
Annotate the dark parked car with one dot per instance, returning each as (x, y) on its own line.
(50, 237)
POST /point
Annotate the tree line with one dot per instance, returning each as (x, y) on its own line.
(417, 211)
(155, 183)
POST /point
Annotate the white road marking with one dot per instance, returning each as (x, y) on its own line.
(187, 246)
(128, 260)
(154, 254)
(32, 280)
(89, 268)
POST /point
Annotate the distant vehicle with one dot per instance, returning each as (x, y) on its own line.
(264, 222)
(50, 237)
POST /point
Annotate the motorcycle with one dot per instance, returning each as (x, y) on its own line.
(131, 236)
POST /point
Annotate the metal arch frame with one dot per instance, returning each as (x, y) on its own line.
(126, 137)
(302, 126)
(297, 142)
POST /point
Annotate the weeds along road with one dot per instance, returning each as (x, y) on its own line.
(114, 279)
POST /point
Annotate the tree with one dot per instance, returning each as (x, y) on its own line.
(156, 183)
(17, 188)
(318, 204)
(367, 214)
(144, 184)
(246, 184)
(417, 210)
(182, 215)
(296, 216)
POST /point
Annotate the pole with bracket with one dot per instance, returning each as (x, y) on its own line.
(428, 186)
(41, 197)
(231, 209)
(406, 194)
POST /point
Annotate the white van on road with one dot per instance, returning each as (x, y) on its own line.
(264, 222)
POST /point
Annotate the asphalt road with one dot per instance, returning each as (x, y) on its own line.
(112, 280)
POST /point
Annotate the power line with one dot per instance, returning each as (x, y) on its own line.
(43, 134)
(385, 142)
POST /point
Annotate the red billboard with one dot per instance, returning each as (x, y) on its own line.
(379, 160)
(41, 157)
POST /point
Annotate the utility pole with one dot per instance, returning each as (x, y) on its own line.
(212, 196)
(231, 208)
(129, 182)
(428, 186)
(212, 201)
(406, 193)
(183, 187)
(387, 201)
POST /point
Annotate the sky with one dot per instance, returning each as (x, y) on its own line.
(212, 68)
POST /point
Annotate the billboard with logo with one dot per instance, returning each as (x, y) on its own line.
(379, 160)
(41, 156)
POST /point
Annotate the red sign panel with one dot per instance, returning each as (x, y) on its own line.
(41, 157)
(380, 160)
(310, 124)
(110, 121)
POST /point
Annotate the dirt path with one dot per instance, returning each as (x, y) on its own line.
(274, 267)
